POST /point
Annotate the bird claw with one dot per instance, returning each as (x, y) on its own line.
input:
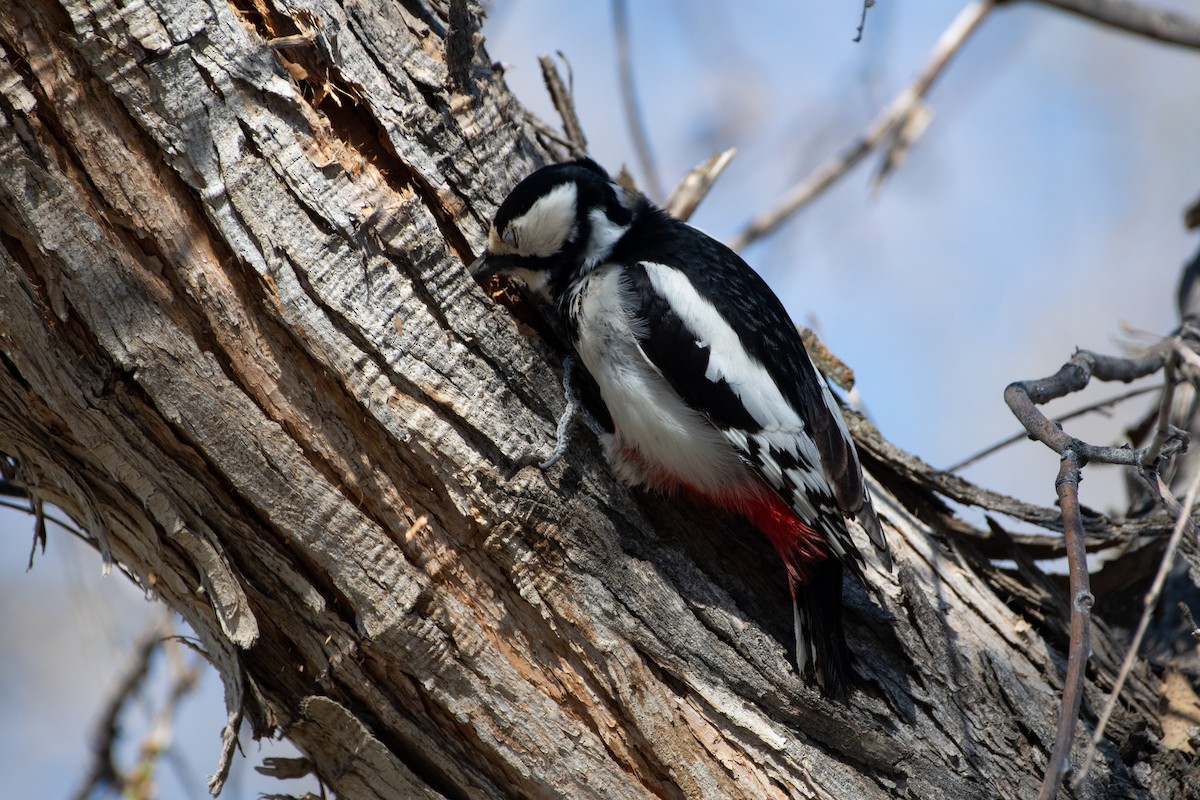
(562, 434)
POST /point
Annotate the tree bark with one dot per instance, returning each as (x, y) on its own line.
(239, 347)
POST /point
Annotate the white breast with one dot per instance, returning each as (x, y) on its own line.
(660, 441)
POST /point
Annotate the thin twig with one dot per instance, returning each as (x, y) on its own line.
(104, 771)
(1190, 621)
(1103, 531)
(901, 141)
(59, 521)
(1067, 486)
(82, 535)
(1183, 522)
(954, 487)
(633, 114)
(862, 21)
(39, 528)
(893, 117)
(1164, 432)
(1079, 412)
(563, 97)
(9, 468)
(1023, 398)
(829, 365)
(550, 138)
(1160, 24)
(695, 186)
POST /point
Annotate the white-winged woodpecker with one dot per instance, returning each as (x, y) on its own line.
(708, 385)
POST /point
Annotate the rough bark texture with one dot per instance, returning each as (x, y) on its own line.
(239, 347)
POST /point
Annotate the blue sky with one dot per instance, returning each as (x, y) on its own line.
(1040, 210)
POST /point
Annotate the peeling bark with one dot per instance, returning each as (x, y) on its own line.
(240, 349)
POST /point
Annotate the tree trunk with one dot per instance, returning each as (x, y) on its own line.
(240, 348)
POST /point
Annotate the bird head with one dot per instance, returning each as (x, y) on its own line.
(555, 226)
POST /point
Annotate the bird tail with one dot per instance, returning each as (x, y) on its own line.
(821, 649)
(815, 578)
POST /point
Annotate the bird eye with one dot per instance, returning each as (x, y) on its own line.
(510, 238)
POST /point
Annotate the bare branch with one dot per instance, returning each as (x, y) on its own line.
(557, 146)
(633, 114)
(862, 21)
(59, 521)
(891, 119)
(1102, 531)
(1183, 523)
(103, 772)
(1079, 412)
(563, 97)
(11, 486)
(902, 139)
(871, 441)
(1164, 432)
(1160, 24)
(1190, 620)
(696, 184)
(828, 364)
(1067, 486)
(1023, 397)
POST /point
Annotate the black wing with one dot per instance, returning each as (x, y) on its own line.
(756, 315)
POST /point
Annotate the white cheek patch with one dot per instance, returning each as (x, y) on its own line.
(548, 224)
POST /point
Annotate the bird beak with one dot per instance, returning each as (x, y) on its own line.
(480, 268)
(490, 264)
(486, 265)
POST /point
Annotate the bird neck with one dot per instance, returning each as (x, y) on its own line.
(601, 232)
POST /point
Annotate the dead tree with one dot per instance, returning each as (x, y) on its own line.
(239, 348)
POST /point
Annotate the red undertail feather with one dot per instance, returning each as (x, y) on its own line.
(815, 581)
(798, 544)
(800, 547)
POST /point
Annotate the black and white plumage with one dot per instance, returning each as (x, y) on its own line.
(704, 375)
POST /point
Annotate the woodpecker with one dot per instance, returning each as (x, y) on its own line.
(710, 391)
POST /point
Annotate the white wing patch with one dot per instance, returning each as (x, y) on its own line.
(671, 441)
(782, 427)
(782, 452)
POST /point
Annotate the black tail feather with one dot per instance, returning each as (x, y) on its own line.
(821, 650)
